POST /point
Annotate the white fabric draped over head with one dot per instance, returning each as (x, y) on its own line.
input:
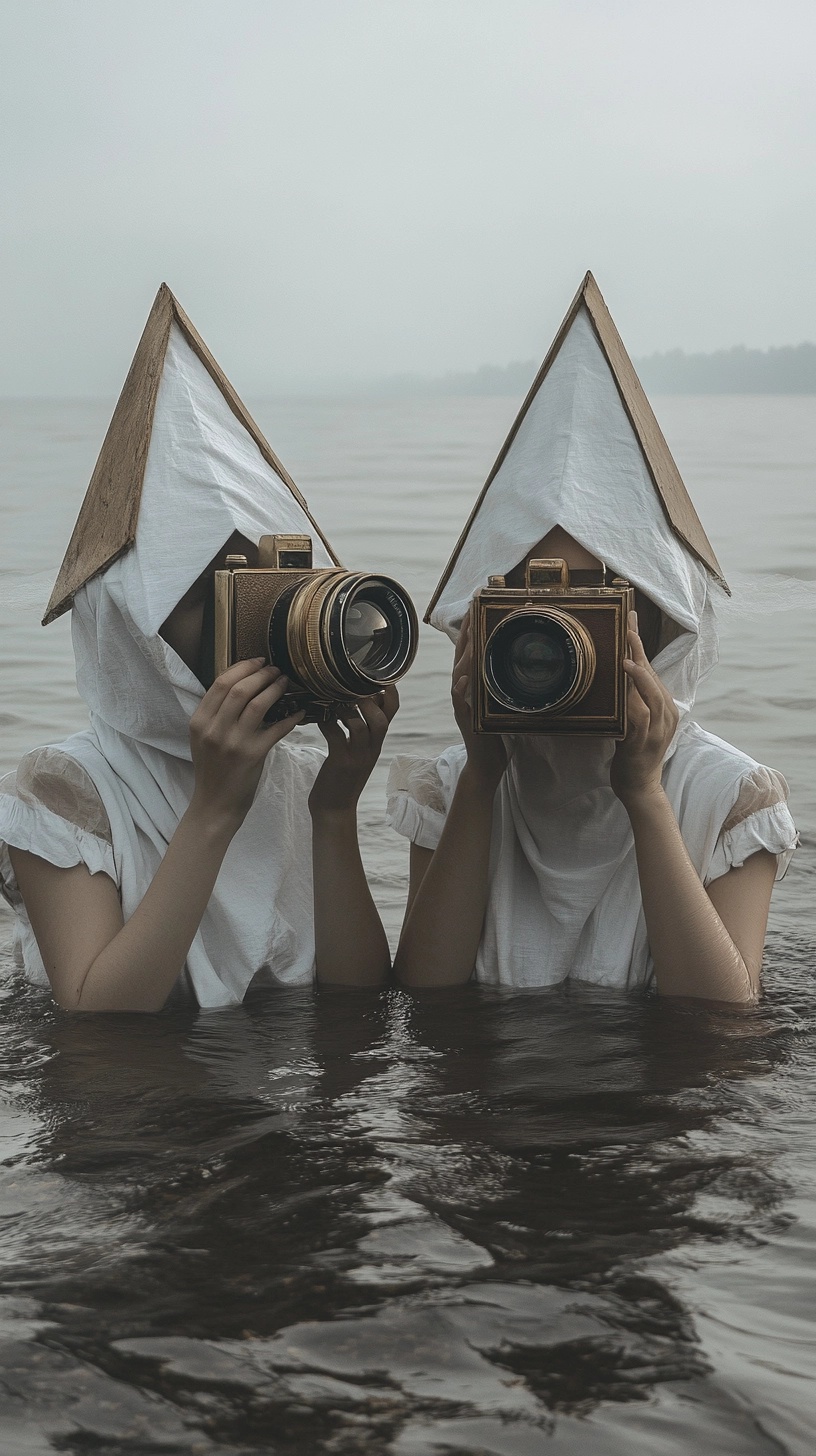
(564, 891)
(205, 479)
(577, 463)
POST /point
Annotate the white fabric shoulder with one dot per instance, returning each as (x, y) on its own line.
(760, 819)
(51, 808)
(50, 778)
(419, 793)
(745, 802)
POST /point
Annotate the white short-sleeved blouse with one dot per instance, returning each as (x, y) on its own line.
(420, 791)
(51, 807)
(540, 927)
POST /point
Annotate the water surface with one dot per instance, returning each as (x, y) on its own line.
(469, 1222)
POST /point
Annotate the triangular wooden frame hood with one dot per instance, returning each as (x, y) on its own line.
(107, 521)
(674, 498)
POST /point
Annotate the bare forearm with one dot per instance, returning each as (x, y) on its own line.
(443, 928)
(692, 950)
(351, 948)
(137, 970)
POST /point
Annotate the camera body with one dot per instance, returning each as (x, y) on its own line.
(338, 635)
(548, 656)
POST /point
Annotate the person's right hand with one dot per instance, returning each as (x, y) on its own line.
(353, 753)
(229, 739)
(486, 753)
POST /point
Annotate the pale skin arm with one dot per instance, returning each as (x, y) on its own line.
(95, 960)
(705, 943)
(447, 895)
(351, 948)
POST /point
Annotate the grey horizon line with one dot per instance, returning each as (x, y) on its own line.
(777, 370)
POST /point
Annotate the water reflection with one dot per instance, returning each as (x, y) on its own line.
(373, 1222)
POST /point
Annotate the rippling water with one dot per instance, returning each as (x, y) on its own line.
(470, 1222)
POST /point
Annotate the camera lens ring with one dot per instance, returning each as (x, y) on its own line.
(379, 599)
(308, 633)
(573, 673)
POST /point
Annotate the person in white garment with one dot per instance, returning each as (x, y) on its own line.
(536, 859)
(181, 844)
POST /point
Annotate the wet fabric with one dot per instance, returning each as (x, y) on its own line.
(564, 898)
(205, 479)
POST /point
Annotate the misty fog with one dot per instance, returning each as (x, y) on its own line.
(343, 191)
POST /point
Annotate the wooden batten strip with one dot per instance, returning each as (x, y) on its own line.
(668, 482)
(106, 524)
(665, 476)
(107, 520)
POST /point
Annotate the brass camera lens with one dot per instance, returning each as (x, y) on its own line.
(343, 634)
(374, 629)
(539, 661)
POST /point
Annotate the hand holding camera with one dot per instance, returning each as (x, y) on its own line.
(288, 643)
(487, 756)
(230, 739)
(354, 749)
(637, 767)
(340, 636)
(548, 655)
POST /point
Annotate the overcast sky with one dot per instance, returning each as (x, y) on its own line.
(351, 188)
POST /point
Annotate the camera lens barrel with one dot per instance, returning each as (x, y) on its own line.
(343, 634)
(539, 660)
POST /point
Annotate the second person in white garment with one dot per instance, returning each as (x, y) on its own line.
(536, 859)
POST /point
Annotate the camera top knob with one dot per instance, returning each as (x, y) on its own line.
(233, 561)
(495, 581)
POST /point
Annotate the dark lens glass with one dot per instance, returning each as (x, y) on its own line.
(369, 635)
(359, 635)
(536, 664)
(531, 662)
(372, 629)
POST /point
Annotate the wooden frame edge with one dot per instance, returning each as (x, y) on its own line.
(71, 577)
(165, 310)
(590, 295)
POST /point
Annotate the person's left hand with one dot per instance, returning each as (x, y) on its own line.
(352, 753)
(653, 717)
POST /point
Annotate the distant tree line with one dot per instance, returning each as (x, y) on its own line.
(787, 370)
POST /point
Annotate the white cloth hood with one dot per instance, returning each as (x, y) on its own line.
(564, 894)
(204, 479)
(577, 463)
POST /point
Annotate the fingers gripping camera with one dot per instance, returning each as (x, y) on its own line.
(337, 635)
(548, 656)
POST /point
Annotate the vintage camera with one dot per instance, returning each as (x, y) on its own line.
(548, 657)
(338, 635)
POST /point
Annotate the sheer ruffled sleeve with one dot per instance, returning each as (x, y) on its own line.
(759, 819)
(419, 792)
(51, 808)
